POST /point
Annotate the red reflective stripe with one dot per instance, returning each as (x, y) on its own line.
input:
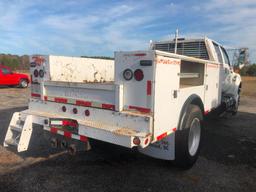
(69, 123)
(83, 138)
(45, 98)
(83, 103)
(140, 54)
(35, 95)
(161, 136)
(140, 109)
(149, 87)
(108, 106)
(54, 130)
(67, 134)
(60, 100)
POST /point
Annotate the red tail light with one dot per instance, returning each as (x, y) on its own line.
(136, 141)
(36, 73)
(138, 74)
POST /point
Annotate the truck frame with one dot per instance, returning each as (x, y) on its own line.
(155, 100)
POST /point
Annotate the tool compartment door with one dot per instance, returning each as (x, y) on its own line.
(166, 95)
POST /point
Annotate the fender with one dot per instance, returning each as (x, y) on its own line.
(192, 99)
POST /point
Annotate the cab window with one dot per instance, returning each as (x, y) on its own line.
(6, 71)
(217, 50)
(225, 55)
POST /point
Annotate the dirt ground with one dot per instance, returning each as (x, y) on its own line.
(227, 161)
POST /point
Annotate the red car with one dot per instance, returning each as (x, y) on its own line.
(9, 78)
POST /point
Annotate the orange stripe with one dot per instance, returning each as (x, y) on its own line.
(161, 136)
(83, 103)
(108, 106)
(67, 134)
(35, 95)
(83, 138)
(149, 87)
(54, 130)
(60, 100)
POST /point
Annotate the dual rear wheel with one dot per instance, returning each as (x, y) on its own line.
(188, 137)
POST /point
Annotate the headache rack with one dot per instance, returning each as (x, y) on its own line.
(192, 48)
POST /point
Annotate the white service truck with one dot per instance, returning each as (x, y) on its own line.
(155, 100)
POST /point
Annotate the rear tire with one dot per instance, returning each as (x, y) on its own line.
(23, 83)
(188, 137)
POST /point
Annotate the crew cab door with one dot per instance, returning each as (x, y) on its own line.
(212, 81)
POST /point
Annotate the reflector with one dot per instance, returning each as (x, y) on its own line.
(127, 74)
(36, 73)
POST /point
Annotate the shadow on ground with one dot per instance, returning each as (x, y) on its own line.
(226, 163)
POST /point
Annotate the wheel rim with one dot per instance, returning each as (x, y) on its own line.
(194, 136)
(24, 84)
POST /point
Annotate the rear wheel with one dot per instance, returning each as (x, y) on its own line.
(188, 137)
(23, 83)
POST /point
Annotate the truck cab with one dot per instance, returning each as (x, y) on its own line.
(9, 78)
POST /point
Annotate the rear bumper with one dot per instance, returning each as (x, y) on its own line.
(118, 135)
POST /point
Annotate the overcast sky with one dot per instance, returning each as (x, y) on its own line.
(93, 27)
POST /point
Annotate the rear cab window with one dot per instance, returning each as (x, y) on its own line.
(217, 50)
(225, 55)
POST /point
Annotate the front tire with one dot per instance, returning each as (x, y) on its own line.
(188, 137)
(23, 83)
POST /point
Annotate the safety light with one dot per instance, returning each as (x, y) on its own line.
(41, 73)
(127, 74)
(138, 74)
(75, 110)
(87, 112)
(36, 73)
(136, 141)
(64, 109)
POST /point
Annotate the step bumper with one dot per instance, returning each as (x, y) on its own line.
(123, 136)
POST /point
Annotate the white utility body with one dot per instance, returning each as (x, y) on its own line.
(154, 100)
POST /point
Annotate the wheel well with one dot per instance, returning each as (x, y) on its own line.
(24, 79)
(192, 99)
(197, 101)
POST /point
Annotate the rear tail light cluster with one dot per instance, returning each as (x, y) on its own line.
(36, 73)
(138, 74)
(128, 74)
(39, 73)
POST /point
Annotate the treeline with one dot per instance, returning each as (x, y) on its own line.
(15, 62)
(98, 57)
(249, 70)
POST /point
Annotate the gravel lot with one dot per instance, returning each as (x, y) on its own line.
(227, 161)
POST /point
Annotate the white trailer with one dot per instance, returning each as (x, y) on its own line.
(154, 100)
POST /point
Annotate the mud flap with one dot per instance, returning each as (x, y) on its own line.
(163, 149)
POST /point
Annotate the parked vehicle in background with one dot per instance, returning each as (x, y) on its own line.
(9, 78)
(155, 100)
